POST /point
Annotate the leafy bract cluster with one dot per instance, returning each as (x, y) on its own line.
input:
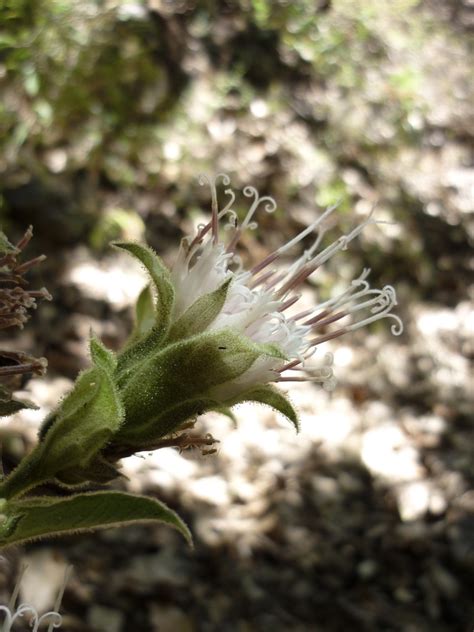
(170, 371)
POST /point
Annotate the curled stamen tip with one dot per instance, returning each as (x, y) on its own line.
(330, 384)
(329, 359)
(398, 328)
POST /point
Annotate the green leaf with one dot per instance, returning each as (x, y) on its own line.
(85, 422)
(98, 471)
(162, 282)
(161, 279)
(183, 372)
(200, 315)
(35, 518)
(12, 406)
(102, 357)
(9, 405)
(144, 314)
(270, 396)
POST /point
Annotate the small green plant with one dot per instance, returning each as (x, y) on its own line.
(208, 335)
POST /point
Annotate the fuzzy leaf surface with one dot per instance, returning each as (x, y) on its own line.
(163, 308)
(101, 356)
(270, 396)
(35, 518)
(180, 374)
(144, 314)
(87, 419)
(200, 314)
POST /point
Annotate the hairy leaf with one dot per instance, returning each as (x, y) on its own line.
(35, 518)
(144, 314)
(270, 396)
(102, 357)
(85, 422)
(182, 372)
(161, 279)
(200, 315)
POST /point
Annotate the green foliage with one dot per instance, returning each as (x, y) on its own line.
(177, 382)
(166, 376)
(10, 405)
(33, 518)
(84, 423)
(266, 394)
(200, 315)
(164, 304)
(144, 314)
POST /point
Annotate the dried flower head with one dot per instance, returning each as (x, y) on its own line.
(16, 300)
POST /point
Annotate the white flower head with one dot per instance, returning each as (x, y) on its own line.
(258, 299)
(214, 334)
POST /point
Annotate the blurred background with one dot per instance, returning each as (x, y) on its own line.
(109, 110)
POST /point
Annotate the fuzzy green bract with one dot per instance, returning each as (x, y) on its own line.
(84, 423)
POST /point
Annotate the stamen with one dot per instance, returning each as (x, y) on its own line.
(16, 590)
(25, 240)
(298, 279)
(274, 255)
(328, 321)
(307, 230)
(289, 302)
(214, 223)
(396, 330)
(259, 280)
(290, 365)
(331, 336)
(266, 262)
(21, 269)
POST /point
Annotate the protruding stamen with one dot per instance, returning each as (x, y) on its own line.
(331, 336)
(214, 223)
(396, 330)
(307, 230)
(16, 590)
(25, 240)
(270, 205)
(289, 303)
(21, 269)
(266, 262)
(274, 255)
(329, 320)
(259, 280)
(298, 279)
